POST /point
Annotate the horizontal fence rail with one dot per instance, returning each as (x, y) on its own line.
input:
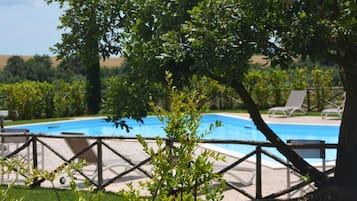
(35, 145)
(316, 101)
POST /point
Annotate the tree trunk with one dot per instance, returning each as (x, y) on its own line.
(346, 163)
(304, 167)
(93, 85)
(90, 57)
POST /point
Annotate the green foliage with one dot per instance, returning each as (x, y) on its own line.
(267, 87)
(10, 165)
(179, 174)
(15, 66)
(271, 87)
(278, 80)
(145, 28)
(35, 100)
(39, 100)
(70, 69)
(218, 38)
(299, 78)
(256, 83)
(30, 99)
(315, 28)
(217, 96)
(107, 72)
(39, 68)
(126, 99)
(46, 194)
(129, 95)
(322, 81)
(91, 24)
(69, 99)
(87, 22)
(5, 193)
(6, 103)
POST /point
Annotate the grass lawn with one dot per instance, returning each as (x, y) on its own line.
(46, 194)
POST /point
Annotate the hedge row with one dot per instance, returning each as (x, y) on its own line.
(34, 100)
(272, 87)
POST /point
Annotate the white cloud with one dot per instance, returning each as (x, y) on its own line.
(38, 3)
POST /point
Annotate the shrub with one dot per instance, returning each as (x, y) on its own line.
(30, 99)
(69, 99)
(321, 80)
(177, 173)
(258, 84)
(278, 81)
(35, 100)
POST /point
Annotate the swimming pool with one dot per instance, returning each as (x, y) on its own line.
(233, 128)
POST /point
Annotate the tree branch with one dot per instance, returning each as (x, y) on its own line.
(304, 167)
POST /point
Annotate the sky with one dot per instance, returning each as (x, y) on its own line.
(28, 27)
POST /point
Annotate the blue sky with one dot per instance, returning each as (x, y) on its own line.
(28, 27)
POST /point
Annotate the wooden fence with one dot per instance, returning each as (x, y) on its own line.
(35, 144)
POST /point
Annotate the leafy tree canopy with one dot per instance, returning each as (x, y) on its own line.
(217, 37)
(145, 24)
(99, 18)
(15, 65)
(39, 68)
(91, 30)
(326, 30)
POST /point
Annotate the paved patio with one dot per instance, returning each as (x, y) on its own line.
(274, 178)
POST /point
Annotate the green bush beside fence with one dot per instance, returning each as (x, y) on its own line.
(35, 100)
(268, 87)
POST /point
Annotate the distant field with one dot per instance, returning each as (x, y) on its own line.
(259, 59)
(111, 62)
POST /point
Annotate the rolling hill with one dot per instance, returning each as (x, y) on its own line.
(111, 62)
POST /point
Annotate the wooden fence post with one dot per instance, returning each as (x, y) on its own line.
(100, 162)
(259, 172)
(35, 159)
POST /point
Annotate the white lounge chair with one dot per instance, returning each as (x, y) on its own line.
(294, 103)
(317, 153)
(334, 111)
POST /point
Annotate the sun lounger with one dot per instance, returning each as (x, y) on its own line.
(3, 114)
(334, 111)
(294, 104)
(78, 145)
(242, 176)
(318, 153)
(12, 136)
(10, 140)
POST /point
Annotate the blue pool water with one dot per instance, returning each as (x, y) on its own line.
(233, 128)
